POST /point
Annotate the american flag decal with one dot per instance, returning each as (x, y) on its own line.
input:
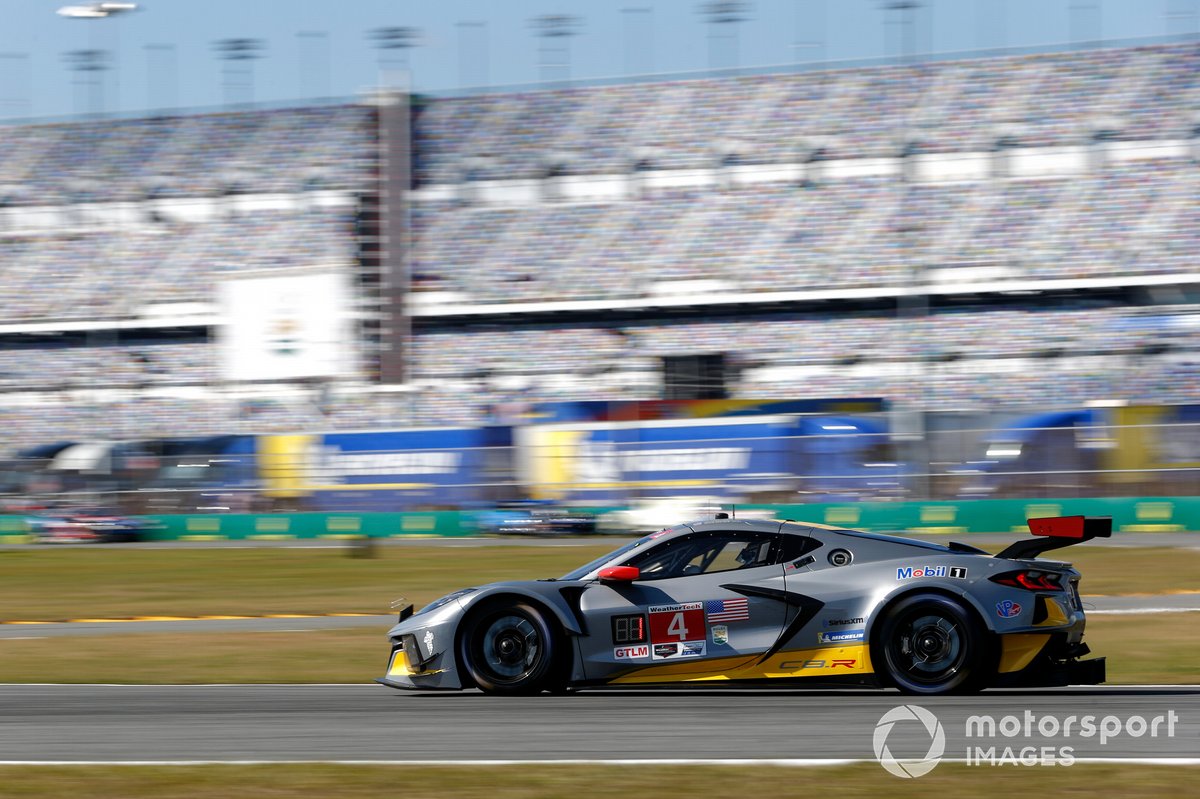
(719, 610)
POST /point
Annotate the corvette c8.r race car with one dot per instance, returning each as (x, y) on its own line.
(767, 601)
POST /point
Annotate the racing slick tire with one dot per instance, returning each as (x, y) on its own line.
(511, 647)
(931, 644)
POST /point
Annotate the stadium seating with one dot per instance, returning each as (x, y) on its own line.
(469, 377)
(829, 229)
(247, 152)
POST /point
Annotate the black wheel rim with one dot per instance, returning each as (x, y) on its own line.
(509, 647)
(927, 647)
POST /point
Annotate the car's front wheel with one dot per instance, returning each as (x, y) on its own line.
(511, 648)
(931, 644)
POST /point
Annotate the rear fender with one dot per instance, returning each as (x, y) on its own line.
(932, 587)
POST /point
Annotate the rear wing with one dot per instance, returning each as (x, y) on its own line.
(1057, 532)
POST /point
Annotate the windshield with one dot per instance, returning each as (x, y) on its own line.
(582, 571)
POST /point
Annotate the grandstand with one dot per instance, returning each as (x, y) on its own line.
(568, 243)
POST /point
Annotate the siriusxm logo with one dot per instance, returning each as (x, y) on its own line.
(908, 572)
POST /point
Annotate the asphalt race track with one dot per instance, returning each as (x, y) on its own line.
(77, 723)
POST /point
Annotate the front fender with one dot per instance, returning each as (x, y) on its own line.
(424, 651)
(559, 598)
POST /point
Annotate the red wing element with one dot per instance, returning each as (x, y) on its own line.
(1057, 532)
(1081, 528)
(1058, 526)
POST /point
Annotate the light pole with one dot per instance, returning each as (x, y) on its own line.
(89, 66)
(162, 76)
(238, 55)
(393, 44)
(554, 32)
(1180, 17)
(18, 86)
(467, 54)
(639, 40)
(1086, 22)
(727, 14)
(99, 11)
(906, 19)
(810, 32)
(315, 63)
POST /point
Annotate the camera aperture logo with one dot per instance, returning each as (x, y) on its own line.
(909, 768)
(1014, 739)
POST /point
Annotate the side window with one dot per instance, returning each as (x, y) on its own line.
(706, 553)
(797, 546)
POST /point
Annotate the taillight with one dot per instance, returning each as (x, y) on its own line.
(1030, 580)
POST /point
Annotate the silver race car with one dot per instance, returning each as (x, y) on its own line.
(729, 600)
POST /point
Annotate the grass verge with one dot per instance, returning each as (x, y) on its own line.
(665, 782)
(321, 656)
(1133, 570)
(111, 582)
(1161, 648)
(48, 584)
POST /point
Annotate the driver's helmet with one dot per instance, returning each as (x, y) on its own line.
(750, 554)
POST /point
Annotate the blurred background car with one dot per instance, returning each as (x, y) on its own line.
(86, 526)
(535, 518)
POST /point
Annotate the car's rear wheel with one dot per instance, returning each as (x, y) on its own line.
(511, 648)
(931, 644)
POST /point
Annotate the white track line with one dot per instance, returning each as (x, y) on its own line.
(789, 763)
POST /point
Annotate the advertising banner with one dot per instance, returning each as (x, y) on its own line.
(387, 470)
(604, 462)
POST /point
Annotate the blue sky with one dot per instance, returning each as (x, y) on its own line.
(34, 80)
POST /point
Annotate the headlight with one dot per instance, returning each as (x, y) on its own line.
(447, 599)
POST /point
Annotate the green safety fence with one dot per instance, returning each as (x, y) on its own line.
(1130, 515)
(284, 526)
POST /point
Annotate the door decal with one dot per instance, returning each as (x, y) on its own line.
(678, 631)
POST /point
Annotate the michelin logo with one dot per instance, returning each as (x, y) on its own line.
(843, 637)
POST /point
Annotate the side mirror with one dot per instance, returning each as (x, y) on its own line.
(619, 574)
